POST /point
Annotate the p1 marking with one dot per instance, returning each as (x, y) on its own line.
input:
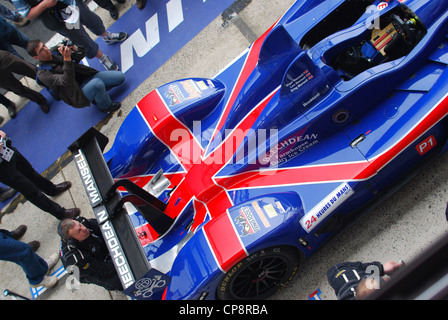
(426, 145)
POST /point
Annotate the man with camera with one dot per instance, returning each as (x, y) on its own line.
(69, 18)
(76, 84)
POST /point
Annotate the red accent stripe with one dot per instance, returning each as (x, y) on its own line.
(249, 66)
(224, 241)
(298, 175)
(198, 181)
(169, 130)
(438, 112)
(335, 172)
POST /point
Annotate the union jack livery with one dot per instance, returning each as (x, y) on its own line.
(221, 188)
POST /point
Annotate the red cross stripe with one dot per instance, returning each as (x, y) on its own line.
(249, 65)
(197, 182)
(297, 175)
(199, 185)
(350, 171)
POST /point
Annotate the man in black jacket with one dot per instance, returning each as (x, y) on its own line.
(10, 64)
(76, 84)
(83, 246)
(16, 172)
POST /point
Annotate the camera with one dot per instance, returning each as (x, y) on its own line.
(6, 141)
(78, 54)
(66, 43)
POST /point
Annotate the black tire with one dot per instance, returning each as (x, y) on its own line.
(260, 275)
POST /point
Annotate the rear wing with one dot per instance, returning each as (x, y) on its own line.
(124, 246)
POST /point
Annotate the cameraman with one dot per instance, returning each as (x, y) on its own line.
(76, 84)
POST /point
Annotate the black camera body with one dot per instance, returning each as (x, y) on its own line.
(77, 55)
(67, 43)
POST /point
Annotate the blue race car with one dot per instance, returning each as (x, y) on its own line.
(220, 188)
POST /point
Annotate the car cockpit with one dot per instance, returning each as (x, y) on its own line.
(392, 36)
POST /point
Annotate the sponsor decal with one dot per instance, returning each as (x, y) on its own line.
(315, 96)
(270, 210)
(87, 179)
(174, 95)
(114, 246)
(290, 148)
(247, 222)
(261, 214)
(382, 5)
(324, 208)
(426, 145)
(182, 91)
(280, 207)
(149, 287)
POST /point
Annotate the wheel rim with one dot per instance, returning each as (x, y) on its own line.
(259, 278)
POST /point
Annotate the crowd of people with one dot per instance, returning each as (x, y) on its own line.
(59, 71)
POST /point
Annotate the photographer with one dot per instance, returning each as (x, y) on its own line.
(56, 15)
(75, 84)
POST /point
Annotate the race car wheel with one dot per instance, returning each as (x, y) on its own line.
(260, 275)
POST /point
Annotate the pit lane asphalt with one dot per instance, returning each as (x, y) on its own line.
(399, 228)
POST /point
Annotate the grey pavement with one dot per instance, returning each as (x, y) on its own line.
(399, 228)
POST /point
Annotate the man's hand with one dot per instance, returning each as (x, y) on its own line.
(66, 52)
(36, 11)
(391, 266)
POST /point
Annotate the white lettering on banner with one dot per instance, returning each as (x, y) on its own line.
(141, 45)
(323, 209)
(138, 43)
(175, 14)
